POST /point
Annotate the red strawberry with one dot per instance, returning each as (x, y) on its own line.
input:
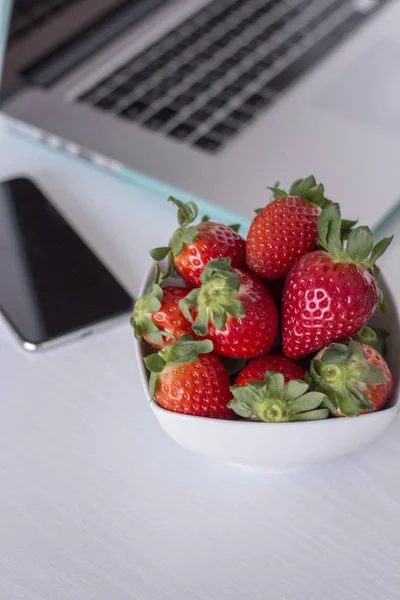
(234, 310)
(157, 314)
(284, 229)
(354, 377)
(256, 368)
(329, 295)
(187, 377)
(192, 246)
(272, 401)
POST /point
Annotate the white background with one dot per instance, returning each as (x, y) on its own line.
(96, 502)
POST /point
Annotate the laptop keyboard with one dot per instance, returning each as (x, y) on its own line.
(206, 80)
(29, 14)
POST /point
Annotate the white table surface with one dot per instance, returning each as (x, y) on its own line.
(98, 503)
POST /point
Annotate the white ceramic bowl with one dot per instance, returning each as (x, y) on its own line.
(281, 445)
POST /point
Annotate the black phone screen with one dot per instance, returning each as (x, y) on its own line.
(51, 283)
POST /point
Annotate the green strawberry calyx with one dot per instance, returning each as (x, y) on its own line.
(185, 350)
(374, 337)
(272, 401)
(215, 299)
(306, 188)
(359, 247)
(341, 372)
(186, 232)
(146, 306)
(314, 192)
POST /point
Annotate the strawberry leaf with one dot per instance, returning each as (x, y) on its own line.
(303, 185)
(373, 375)
(155, 363)
(200, 326)
(219, 317)
(185, 350)
(152, 384)
(234, 308)
(159, 253)
(329, 222)
(356, 351)
(294, 188)
(278, 193)
(183, 235)
(187, 212)
(235, 227)
(346, 228)
(258, 210)
(360, 243)
(348, 404)
(309, 401)
(336, 354)
(312, 415)
(379, 248)
(294, 389)
(374, 337)
(276, 384)
(360, 399)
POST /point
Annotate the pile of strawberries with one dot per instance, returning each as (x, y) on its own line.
(272, 328)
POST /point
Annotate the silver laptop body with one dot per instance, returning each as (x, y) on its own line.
(218, 99)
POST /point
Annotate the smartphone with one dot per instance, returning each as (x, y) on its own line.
(53, 288)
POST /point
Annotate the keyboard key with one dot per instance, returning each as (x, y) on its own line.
(134, 110)
(105, 103)
(256, 101)
(206, 143)
(196, 89)
(216, 102)
(224, 129)
(230, 91)
(181, 101)
(200, 116)
(160, 118)
(181, 131)
(240, 115)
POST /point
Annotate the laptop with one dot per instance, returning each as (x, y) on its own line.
(216, 98)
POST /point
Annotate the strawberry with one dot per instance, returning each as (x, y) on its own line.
(192, 246)
(187, 377)
(234, 310)
(285, 229)
(329, 295)
(256, 368)
(354, 377)
(272, 401)
(374, 337)
(157, 317)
